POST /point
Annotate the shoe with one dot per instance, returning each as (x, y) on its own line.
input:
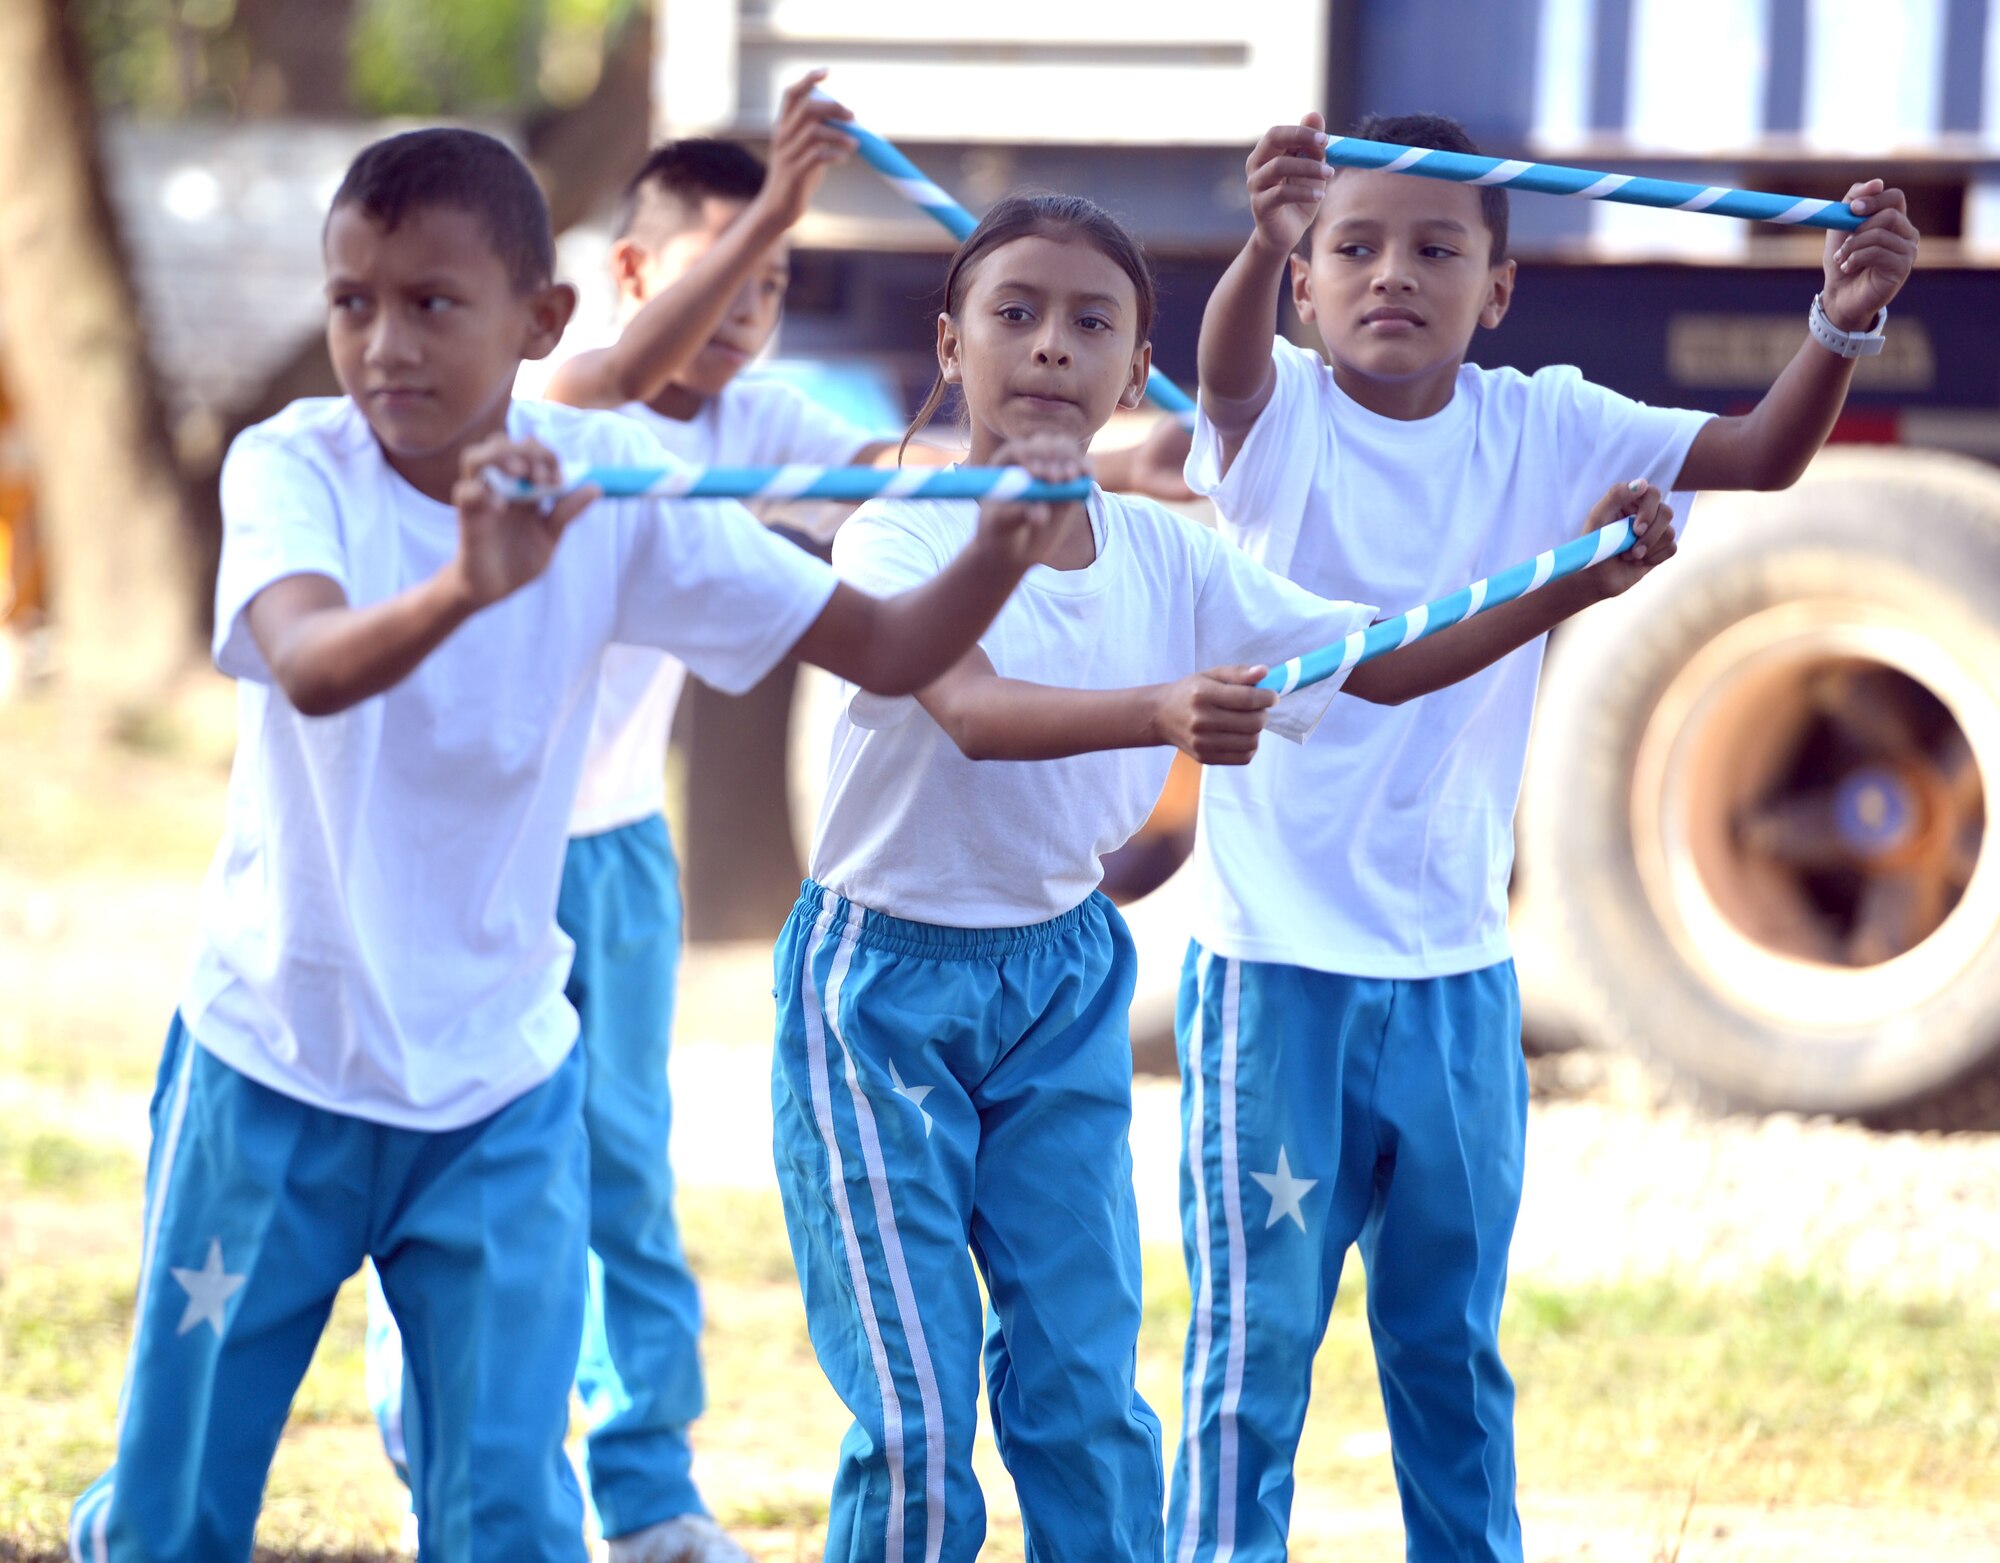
(686, 1538)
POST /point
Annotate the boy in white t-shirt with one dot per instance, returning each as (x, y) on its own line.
(373, 1055)
(1349, 1022)
(701, 267)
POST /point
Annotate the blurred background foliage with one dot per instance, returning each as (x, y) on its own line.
(169, 59)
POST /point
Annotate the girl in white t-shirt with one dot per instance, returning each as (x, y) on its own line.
(952, 1084)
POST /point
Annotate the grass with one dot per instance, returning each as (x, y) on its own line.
(76, 805)
(1784, 1393)
(1786, 1396)
(58, 1165)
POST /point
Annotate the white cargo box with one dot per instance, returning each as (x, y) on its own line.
(1089, 72)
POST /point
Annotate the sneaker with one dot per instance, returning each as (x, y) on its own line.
(686, 1538)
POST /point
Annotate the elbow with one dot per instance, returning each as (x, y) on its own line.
(1782, 474)
(626, 387)
(309, 701)
(973, 731)
(1751, 465)
(308, 693)
(1763, 472)
(969, 736)
(309, 698)
(891, 682)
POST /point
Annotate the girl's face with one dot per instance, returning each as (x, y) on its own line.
(1046, 341)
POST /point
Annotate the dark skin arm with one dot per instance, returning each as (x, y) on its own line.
(1218, 716)
(1214, 716)
(1286, 175)
(327, 656)
(670, 328)
(898, 645)
(895, 645)
(1770, 446)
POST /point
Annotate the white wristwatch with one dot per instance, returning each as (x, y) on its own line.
(1847, 344)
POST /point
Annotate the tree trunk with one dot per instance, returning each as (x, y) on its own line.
(740, 866)
(585, 154)
(299, 49)
(112, 513)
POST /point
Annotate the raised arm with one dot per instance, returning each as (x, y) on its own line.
(1475, 644)
(670, 328)
(1286, 174)
(1770, 446)
(327, 655)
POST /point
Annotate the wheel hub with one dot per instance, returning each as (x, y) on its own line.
(1874, 812)
(1809, 812)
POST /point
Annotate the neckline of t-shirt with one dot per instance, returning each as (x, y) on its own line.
(1091, 577)
(1445, 418)
(415, 500)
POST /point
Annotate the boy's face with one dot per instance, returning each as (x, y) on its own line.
(1400, 275)
(426, 330)
(644, 270)
(1046, 340)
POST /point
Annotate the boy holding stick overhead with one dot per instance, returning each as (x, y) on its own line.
(1350, 1024)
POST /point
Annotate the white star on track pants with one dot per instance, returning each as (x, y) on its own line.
(640, 1374)
(946, 1098)
(1317, 1112)
(257, 1208)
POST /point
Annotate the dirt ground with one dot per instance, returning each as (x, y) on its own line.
(1622, 1189)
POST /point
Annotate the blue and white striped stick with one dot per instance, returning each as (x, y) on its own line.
(1553, 179)
(851, 484)
(915, 187)
(1419, 623)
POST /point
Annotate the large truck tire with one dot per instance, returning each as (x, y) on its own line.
(1755, 818)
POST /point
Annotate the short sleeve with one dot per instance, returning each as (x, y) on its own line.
(1625, 439)
(884, 549)
(1245, 613)
(279, 519)
(1261, 500)
(781, 425)
(703, 580)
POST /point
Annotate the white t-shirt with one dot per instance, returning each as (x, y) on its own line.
(913, 828)
(1383, 849)
(377, 930)
(755, 422)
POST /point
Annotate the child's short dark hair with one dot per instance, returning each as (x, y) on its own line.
(469, 171)
(687, 172)
(1440, 133)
